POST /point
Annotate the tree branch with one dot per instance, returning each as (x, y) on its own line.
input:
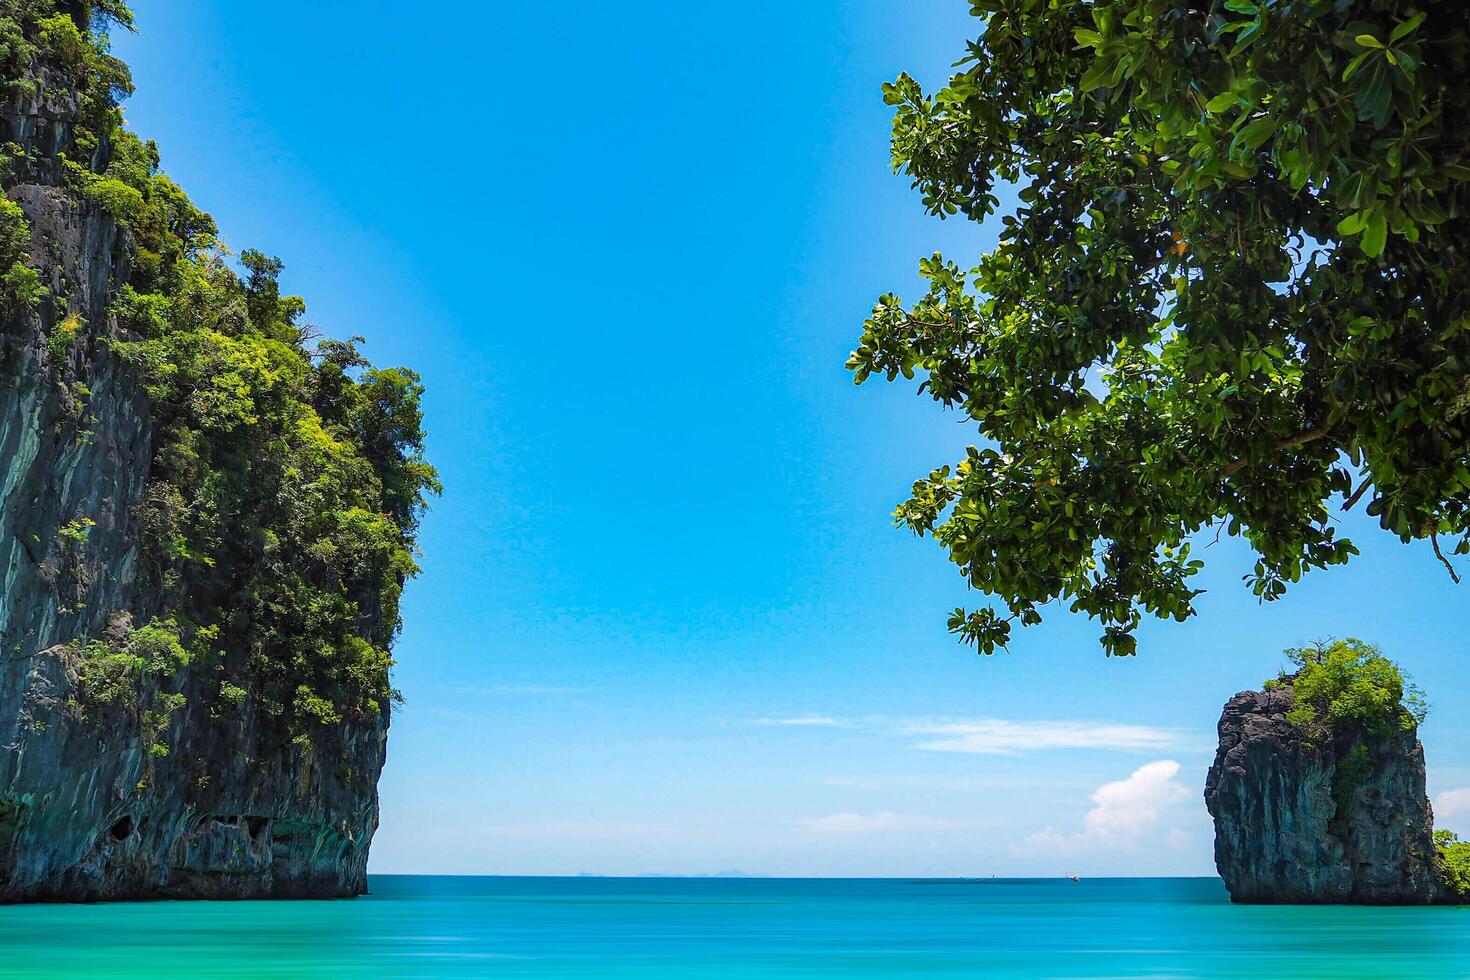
(1356, 494)
(1290, 442)
(1434, 540)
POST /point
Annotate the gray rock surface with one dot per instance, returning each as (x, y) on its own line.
(86, 811)
(1279, 834)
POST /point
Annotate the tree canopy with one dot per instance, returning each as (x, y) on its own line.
(1231, 298)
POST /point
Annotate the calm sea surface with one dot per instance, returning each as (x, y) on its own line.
(775, 928)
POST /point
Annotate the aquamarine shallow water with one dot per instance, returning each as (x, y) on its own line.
(719, 928)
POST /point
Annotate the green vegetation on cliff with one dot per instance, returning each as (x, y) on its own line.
(1454, 862)
(1232, 291)
(1349, 685)
(1344, 691)
(279, 518)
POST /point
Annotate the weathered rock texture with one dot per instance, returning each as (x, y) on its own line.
(1280, 835)
(86, 811)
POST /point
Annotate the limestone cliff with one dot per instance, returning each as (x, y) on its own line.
(1346, 821)
(157, 736)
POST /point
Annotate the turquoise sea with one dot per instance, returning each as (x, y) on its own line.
(751, 927)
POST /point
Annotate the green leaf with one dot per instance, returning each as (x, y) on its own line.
(1375, 235)
(1406, 28)
(1086, 38)
(1257, 132)
(1222, 102)
(1368, 41)
(1354, 65)
(1101, 73)
(1352, 224)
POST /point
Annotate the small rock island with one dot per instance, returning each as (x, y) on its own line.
(1318, 791)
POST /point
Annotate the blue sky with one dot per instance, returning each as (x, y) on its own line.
(665, 625)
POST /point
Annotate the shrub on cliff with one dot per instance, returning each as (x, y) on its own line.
(1231, 293)
(1348, 685)
(1454, 862)
(19, 284)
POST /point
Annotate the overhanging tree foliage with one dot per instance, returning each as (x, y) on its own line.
(1234, 292)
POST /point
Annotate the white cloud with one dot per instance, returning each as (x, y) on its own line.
(1123, 813)
(807, 721)
(935, 783)
(853, 824)
(1452, 804)
(601, 830)
(997, 736)
(527, 689)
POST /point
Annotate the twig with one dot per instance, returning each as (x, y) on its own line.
(1356, 494)
(1291, 442)
(1434, 540)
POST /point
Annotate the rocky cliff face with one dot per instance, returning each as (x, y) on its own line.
(89, 809)
(1346, 822)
